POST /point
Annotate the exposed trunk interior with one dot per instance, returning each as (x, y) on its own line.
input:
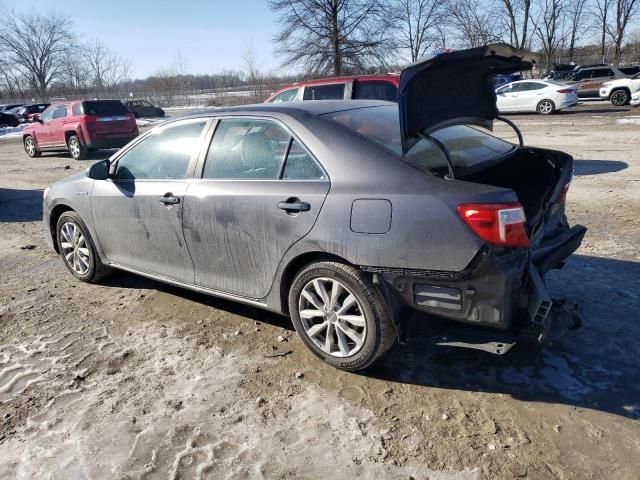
(532, 174)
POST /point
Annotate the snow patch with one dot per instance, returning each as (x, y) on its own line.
(11, 132)
(631, 120)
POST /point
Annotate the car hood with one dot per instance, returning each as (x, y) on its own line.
(455, 88)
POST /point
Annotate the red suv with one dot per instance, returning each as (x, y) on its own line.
(80, 126)
(363, 87)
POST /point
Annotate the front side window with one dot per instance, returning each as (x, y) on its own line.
(60, 112)
(324, 92)
(255, 149)
(375, 90)
(163, 154)
(48, 114)
(286, 96)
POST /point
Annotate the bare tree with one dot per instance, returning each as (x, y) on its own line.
(577, 12)
(106, 69)
(417, 22)
(549, 28)
(603, 8)
(332, 36)
(252, 70)
(474, 25)
(624, 12)
(518, 14)
(37, 44)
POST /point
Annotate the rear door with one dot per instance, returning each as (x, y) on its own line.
(260, 191)
(138, 213)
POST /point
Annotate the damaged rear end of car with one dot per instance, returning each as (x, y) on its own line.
(515, 204)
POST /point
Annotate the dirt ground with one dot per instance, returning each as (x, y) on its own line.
(134, 379)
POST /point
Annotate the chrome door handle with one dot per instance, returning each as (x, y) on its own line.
(169, 200)
(294, 206)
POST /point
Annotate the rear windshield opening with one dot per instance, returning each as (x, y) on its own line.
(104, 107)
(469, 148)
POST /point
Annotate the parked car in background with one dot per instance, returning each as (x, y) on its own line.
(10, 106)
(80, 126)
(8, 120)
(143, 108)
(365, 87)
(542, 96)
(500, 80)
(619, 92)
(27, 113)
(345, 215)
(588, 81)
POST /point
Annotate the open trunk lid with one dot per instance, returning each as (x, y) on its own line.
(454, 88)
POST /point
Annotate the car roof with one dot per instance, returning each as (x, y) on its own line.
(395, 77)
(313, 107)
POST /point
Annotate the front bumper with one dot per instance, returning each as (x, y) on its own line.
(502, 288)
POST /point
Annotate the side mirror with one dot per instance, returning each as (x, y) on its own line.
(36, 118)
(99, 170)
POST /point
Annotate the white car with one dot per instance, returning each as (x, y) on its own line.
(619, 92)
(542, 96)
(635, 99)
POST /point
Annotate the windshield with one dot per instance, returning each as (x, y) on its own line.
(467, 146)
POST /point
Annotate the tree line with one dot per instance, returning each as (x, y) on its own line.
(41, 56)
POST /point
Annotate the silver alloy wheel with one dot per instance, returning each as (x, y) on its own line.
(74, 248)
(30, 147)
(545, 107)
(332, 317)
(74, 147)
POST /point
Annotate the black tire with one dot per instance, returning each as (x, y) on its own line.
(76, 149)
(96, 269)
(30, 147)
(619, 98)
(380, 333)
(546, 107)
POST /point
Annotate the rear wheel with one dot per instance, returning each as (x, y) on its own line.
(77, 249)
(546, 107)
(77, 150)
(30, 147)
(619, 98)
(340, 315)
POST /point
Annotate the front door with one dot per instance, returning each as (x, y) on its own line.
(43, 130)
(56, 126)
(138, 212)
(260, 192)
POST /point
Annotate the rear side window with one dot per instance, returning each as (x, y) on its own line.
(528, 86)
(255, 149)
(286, 96)
(104, 108)
(324, 92)
(629, 70)
(163, 154)
(375, 90)
(76, 109)
(601, 72)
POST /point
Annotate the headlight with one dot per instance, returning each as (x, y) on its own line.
(45, 193)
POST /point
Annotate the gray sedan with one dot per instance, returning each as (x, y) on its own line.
(343, 215)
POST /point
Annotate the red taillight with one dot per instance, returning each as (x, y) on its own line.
(563, 194)
(497, 223)
(566, 90)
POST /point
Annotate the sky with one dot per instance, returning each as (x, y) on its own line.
(209, 35)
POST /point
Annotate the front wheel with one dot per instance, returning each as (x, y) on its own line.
(546, 107)
(619, 98)
(77, 249)
(340, 315)
(30, 147)
(77, 150)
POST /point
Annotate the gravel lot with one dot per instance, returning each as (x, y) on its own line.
(134, 379)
